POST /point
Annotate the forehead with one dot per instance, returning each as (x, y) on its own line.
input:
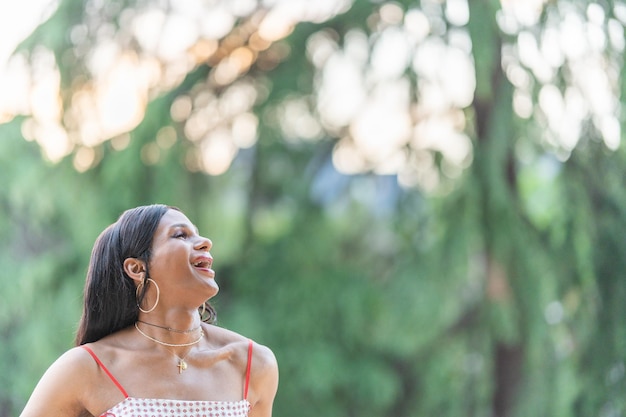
(174, 218)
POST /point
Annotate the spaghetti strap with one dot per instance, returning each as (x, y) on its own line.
(115, 381)
(248, 366)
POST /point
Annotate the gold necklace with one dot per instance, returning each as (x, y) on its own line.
(182, 365)
(171, 344)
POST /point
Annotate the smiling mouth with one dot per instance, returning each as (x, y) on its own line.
(202, 264)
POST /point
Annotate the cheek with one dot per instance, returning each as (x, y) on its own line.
(169, 258)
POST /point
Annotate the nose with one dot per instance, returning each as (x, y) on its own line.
(204, 244)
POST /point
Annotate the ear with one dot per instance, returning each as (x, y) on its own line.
(135, 269)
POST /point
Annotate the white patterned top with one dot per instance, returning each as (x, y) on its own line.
(141, 407)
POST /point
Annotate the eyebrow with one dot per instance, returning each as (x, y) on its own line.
(186, 226)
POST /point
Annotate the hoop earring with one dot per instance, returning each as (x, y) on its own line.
(137, 295)
(203, 310)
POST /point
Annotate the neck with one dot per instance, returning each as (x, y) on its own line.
(173, 329)
(169, 329)
(176, 318)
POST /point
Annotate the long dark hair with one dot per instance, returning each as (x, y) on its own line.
(110, 299)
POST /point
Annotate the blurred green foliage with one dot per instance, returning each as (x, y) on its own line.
(502, 296)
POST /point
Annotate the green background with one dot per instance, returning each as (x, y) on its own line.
(498, 293)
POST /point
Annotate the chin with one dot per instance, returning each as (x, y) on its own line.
(214, 289)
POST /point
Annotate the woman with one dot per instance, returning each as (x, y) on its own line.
(141, 347)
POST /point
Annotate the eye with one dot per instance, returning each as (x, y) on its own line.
(181, 234)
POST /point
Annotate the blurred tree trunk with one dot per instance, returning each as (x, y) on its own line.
(494, 173)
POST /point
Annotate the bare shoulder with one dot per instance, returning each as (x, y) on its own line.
(63, 387)
(74, 357)
(263, 381)
(72, 367)
(263, 359)
(263, 369)
(262, 356)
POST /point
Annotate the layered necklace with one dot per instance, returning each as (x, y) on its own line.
(182, 365)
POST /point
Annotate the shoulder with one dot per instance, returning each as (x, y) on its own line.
(64, 386)
(76, 362)
(75, 368)
(262, 365)
(262, 359)
(263, 380)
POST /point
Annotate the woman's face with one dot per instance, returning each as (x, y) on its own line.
(180, 262)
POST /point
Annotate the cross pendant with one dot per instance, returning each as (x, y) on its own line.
(182, 365)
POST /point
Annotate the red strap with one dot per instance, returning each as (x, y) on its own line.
(117, 384)
(247, 383)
